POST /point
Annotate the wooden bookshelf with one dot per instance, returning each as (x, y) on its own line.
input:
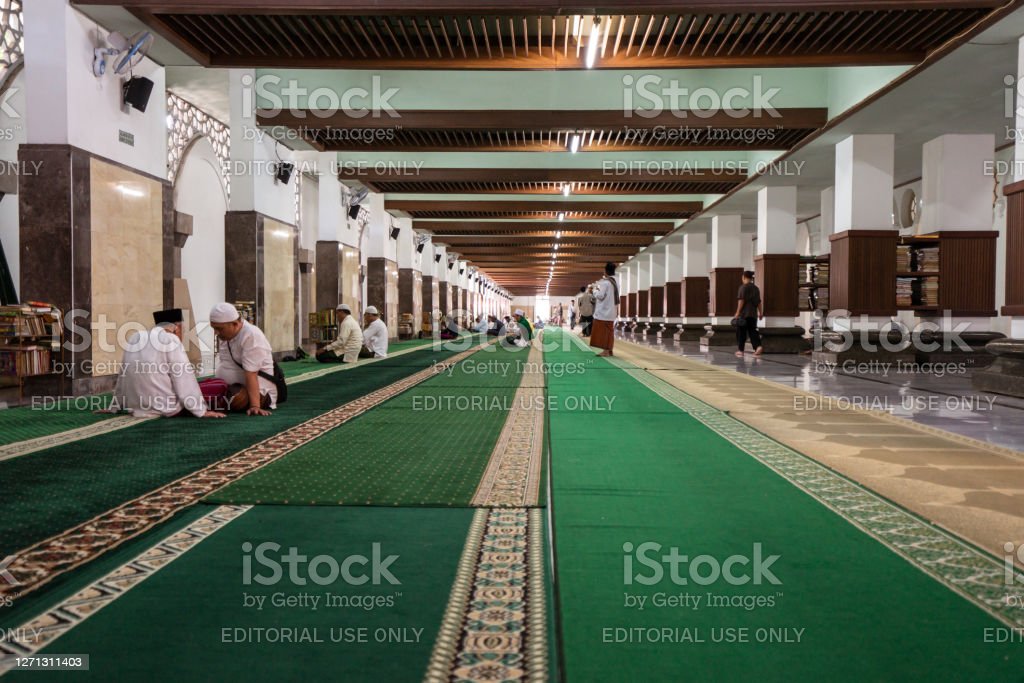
(813, 287)
(31, 340)
(323, 326)
(947, 271)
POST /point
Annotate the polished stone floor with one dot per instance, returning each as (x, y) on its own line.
(938, 399)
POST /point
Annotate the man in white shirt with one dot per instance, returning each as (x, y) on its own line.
(244, 358)
(157, 379)
(345, 348)
(606, 304)
(375, 335)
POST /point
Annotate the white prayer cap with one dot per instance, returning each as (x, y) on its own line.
(344, 307)
(372, 310)
(519, 311)
(223, 313)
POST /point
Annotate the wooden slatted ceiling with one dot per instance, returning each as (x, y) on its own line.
(543, 181)
(744, 34)
(543, 209)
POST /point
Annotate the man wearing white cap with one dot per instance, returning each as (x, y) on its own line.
(375, 335)
(244, 358)
(344, 349)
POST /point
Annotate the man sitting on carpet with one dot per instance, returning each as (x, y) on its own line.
(244, 360)
(375, 335)
(157, 378)
(344, 349)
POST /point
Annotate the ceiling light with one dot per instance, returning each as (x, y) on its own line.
(556, 247)
(574, 143)
(558, 234)
(593, 42)
(566, 189)
(561, 215)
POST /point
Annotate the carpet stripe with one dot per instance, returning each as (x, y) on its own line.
(20, 448)
(495, 626)
(512, 477)
(972, 574)
(48, 627)
(37, 565)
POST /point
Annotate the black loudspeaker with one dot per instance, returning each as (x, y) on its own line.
(353, 211)
(283, 172)
(394, 233)
(136, 92)
(437, 258)
(419, 247)
(462, 271)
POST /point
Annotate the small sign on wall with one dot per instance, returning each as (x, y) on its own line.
(126, 138)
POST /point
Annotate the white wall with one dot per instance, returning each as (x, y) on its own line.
(12, 134)
(198, 191)
(70, 105)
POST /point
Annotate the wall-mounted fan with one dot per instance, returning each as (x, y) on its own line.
(126, 53)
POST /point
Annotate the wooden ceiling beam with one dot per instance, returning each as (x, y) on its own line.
(564, 120)
(529, 7)
(414, 206)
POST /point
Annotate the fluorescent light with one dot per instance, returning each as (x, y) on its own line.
(556, 247)
(566, 189)
(129, 191)
(593, 41)
(558, 234)
(282, 233)
(561, 215)
(574, 143)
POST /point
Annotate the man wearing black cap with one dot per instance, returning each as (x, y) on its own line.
(157, 378)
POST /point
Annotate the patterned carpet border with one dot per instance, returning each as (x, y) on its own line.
(964, 569)
(495, 625)
(37, 565)
(19, 448)
(512, 477)
(37, 633)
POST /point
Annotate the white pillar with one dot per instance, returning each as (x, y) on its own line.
(828, 220)
(863, 189)
(956, 193)
(695, 263)
(331, 218)
(725, 242)
(776, 220)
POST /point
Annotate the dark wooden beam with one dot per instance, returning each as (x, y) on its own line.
(372, 178)
(443, 229)
(529, 7)
(565, 120)
(537, 207)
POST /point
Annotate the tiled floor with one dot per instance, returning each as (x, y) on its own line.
(946, 401)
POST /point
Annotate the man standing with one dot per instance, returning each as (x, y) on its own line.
(606, 297)
(157, 379)
(375, 335)
(345, 348)
(748, 310)
(585, 304)
(244, 358)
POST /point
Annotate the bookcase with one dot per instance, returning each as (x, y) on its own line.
(813, 287)
(947, 270)
(31, 336)
(323, 326)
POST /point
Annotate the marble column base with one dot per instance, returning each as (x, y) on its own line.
(690, 332)
(1006, 373)
(654, 329)
(858, 353)
(718, 336)
(976, 357)
(784, 339)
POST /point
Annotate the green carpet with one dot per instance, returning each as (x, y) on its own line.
(171, 626)
(619, 478)
(295, 368)
(49, 417)
(428, 446)
(46, 492)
